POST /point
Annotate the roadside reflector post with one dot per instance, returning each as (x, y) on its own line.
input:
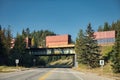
(102, 63)
(75, 61)
(17, 62)
(34, 62)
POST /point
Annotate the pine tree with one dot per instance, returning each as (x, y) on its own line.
(80, 46)
(5, 44)
(19, 45)
(24, 33)
(18, 52)
(87, 48)
(8, 39)
(113, 26)
(28, 32)
(92, 48)
(106, 26)
(2, 47)
(100, 28)
(116, 53)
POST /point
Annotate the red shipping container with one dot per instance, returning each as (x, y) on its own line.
(104, 35)
(57, 40)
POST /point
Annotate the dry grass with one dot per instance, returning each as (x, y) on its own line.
(10, 68)
(105, 50)
(106, 71)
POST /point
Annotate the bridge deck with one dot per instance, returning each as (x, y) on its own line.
(54, 54)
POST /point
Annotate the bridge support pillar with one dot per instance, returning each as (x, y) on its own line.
(75, 63)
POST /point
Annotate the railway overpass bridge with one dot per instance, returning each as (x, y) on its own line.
(56, 51)
(56, 45)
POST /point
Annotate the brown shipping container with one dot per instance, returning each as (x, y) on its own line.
(104, 35)
(57, 40)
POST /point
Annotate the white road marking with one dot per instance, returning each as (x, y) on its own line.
(75, 73)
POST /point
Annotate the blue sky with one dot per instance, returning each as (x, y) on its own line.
(59, 16)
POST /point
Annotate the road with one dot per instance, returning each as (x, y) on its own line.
(50, 74)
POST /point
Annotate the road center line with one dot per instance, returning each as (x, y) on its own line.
(47, 74)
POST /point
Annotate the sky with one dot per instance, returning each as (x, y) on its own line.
(59, 16)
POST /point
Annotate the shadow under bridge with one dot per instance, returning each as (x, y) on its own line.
(51, 52)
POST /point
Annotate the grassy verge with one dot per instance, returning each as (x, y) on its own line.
(11, 68)
(106, 49)
(106, 71)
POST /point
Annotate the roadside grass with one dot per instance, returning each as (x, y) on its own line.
(5, 69)
(106, 49)
(106, 71)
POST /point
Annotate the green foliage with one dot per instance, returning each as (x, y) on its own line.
(106, 52)
(19, 45)
(2, 48)
(100, 28)
(26, 32)
(87, 48)
(116, 53)
(40, 37)
(108, 27)
(19, 52)
(42, 61)
(106, 49)
(80, 46)
(92, 48)
(5, 44)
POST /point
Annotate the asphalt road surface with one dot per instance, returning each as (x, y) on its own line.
(50, 74)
